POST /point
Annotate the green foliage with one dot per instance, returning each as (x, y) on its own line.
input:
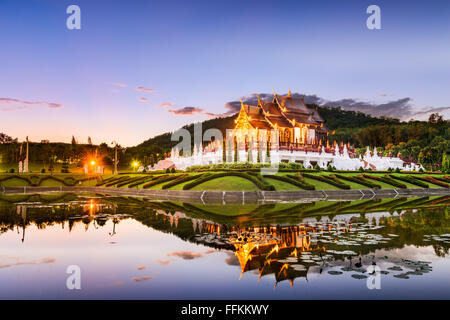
(386, 180)
(260, 184)
(410, 180)
(182, 179)
(328, 179)
(433, 181)
(359, 180)
(160, 179)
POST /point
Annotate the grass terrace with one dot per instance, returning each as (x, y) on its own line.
(237, 179)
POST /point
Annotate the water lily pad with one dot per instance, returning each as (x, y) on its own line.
(359, 276)
(334, 272)
(395, 268)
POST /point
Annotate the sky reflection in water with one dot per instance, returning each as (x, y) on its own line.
(139, 249)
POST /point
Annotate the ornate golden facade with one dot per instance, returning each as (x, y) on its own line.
(298, 124)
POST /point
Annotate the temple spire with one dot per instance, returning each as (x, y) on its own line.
(289, 93)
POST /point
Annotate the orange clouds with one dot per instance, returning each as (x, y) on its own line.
(11, 104)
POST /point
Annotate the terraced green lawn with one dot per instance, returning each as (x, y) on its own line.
(230, 183)
(227, 184)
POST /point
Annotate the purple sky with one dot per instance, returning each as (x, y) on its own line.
(140, 68)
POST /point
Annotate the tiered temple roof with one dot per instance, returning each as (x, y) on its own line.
(282, 112)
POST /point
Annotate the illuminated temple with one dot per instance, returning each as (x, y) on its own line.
(297, 124)
(284, 129)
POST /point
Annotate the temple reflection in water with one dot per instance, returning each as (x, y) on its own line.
(311, 238)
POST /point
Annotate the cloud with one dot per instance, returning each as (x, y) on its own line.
(120, 84)
(189, 255)
(186, 111)
(401, 108)
(117, 284)
(139, 279)
(141, 267)
(143, 99)
(164, 262)
(11, 104)
(167, 104)
(18, 263)
(144, 89)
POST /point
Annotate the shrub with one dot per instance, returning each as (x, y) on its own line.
(182, 179)
(361, 169)
(172, 170)
(43, 170)
(433, 181)
(397, 170)
(359, 180)
(260, 184)
(328, 179)
(159, 180)
(316, 167)
(116, 181)
(330, 168)
(291, 179)
(443, 179)
(167, 170)
(141, 181)
(387, 180)
(138, 180)
(11, 170)
(421, 170)
(410, 180)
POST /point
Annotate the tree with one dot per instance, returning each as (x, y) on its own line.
(89, 141)
(4, 139)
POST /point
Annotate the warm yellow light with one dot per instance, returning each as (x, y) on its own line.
(92, 162)
(135, 164)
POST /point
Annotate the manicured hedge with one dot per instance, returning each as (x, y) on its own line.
(134, 180)
(35, 180)
(387, 180)
(443, 179)
(110, 180)
(161, 179)
(359, 180)
(411, 180)
(140, 181)
(294, 180)
(327, 179)
(116, 181)
(260, 184)
(433, 181)
(182, 180)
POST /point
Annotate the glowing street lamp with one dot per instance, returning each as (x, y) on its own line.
(135, 164)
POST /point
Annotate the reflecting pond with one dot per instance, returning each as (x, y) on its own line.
(132, 248)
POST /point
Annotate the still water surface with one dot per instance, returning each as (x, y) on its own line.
(130, 248)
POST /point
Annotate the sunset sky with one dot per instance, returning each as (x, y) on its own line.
(140, 68)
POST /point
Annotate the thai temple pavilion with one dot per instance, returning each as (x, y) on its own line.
(282, 130)
(297, 124)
